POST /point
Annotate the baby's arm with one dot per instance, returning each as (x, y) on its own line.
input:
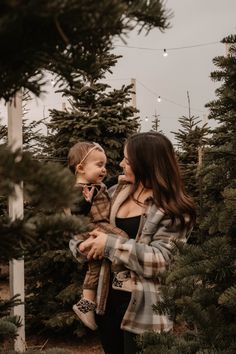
(88, 193)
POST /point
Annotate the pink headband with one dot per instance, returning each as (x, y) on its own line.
(96, 146)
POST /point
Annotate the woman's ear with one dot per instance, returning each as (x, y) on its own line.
(79, 169)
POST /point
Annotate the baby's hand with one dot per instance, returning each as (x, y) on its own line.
(88, 194)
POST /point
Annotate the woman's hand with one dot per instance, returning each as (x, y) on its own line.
(94, 246)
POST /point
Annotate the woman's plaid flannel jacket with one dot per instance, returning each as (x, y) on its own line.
(146, 257)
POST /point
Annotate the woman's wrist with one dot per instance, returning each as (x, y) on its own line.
(75, 250)
(109, 248)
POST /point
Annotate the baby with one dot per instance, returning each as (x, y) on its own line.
(88, 162)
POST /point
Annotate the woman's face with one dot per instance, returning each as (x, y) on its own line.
(129, 175)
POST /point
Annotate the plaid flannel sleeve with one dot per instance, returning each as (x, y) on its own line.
(74, 248)
(147, 260)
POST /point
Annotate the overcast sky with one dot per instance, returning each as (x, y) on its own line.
(195, 22)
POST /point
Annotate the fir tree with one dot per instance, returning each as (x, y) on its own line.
(8, 324)
(41, 185)
(65, 38)
(97, 114)
(33, 138)
(200, 289)
(191, 142)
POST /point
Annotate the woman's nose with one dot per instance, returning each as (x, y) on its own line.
(122, 163)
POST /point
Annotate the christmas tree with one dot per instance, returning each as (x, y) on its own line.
(41, 185)
(96, 113)
(200, 288)
(192, 138)
(63, 38)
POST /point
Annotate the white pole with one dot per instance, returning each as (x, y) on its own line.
(16, 210)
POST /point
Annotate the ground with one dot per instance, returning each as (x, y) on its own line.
(88, 345)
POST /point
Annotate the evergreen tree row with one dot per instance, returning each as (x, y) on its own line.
(70, 39)
(200, 288)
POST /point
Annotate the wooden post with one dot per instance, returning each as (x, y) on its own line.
(199, 178)
(63, 106)
(227, 48)
(133, 101)
(200, 156)
(156, 122)
(189, 107)
(16, 210)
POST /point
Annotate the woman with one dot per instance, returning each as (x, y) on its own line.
(153, 208)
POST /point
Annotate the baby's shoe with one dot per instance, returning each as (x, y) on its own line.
(122, 281)
(85, 309)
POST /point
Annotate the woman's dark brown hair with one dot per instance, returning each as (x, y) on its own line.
(153, 161)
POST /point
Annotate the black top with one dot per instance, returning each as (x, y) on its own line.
(129, 225)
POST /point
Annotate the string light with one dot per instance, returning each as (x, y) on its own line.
(166, 99)
(53, 83)
(165, 54)
(158, 97)
(146, 119)
(169, 49)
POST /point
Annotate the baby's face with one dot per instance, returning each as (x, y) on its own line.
(94, 167)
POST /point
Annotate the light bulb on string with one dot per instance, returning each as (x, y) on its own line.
(159, 99)
(165, 54)
(146, 119)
